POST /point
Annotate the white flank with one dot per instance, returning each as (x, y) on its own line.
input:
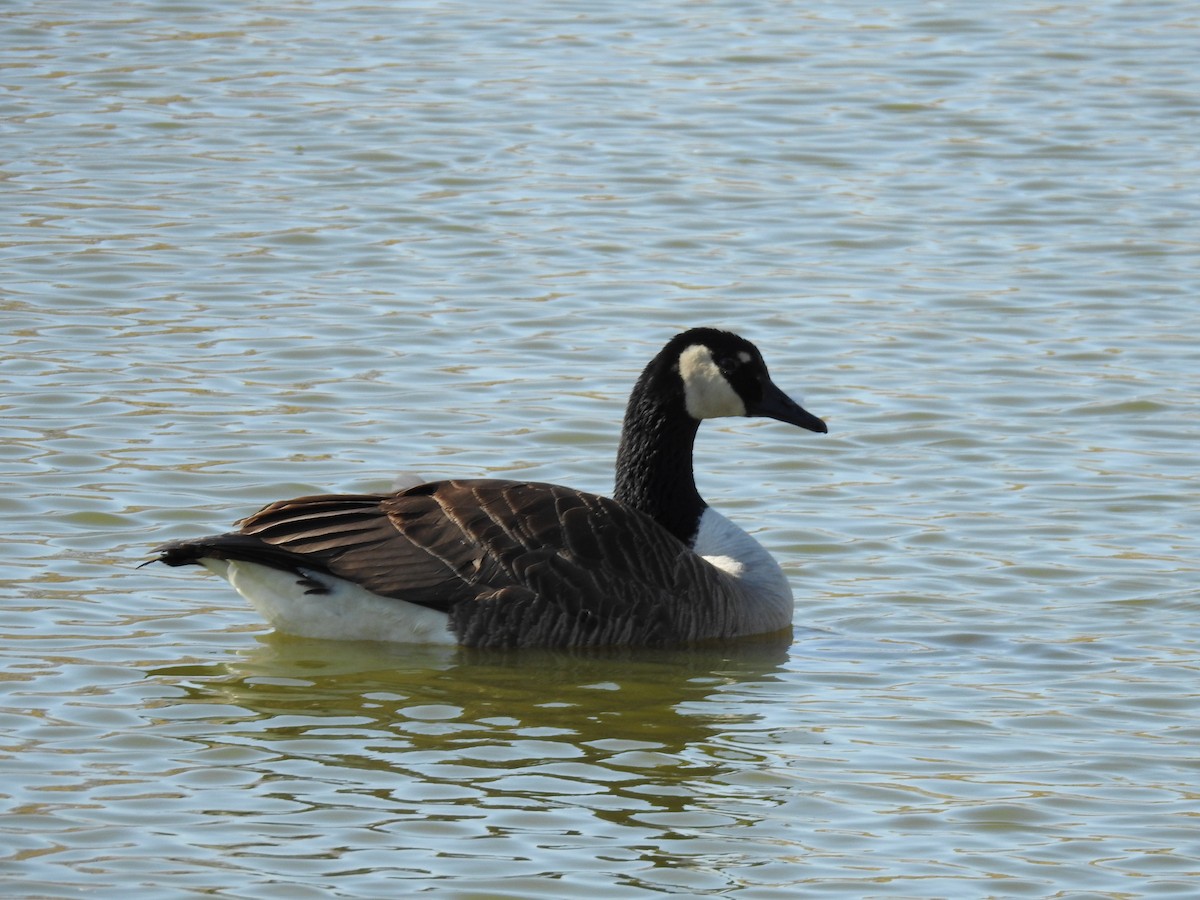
(346, 613)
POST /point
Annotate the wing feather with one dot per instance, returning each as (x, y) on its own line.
(514, 563)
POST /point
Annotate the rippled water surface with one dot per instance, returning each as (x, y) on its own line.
(252, 250)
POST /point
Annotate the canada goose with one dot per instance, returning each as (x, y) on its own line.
(492, 563)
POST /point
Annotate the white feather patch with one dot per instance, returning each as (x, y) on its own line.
(736, 553)
(346, 613)
(706, 392)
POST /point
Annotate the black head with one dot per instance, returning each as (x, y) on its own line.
(723, 374)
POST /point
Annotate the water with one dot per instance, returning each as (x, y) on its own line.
(255, 250)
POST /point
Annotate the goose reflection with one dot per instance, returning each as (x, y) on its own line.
(537, 726)
(445, 696)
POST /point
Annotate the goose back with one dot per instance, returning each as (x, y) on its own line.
(511, 563)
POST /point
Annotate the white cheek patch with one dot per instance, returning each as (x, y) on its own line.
(706, 392)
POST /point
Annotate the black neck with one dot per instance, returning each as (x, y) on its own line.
(654, 462)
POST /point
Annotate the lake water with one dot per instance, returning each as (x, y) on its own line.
(253, 250)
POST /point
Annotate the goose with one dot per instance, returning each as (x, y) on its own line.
(500, 563)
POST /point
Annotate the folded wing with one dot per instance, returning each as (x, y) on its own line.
(512, 563)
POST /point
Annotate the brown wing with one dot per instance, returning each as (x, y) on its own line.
(395, 545)
(514, 563)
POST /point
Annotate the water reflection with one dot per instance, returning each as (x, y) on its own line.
(426, 693)
(420, 740)
(446, 698)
